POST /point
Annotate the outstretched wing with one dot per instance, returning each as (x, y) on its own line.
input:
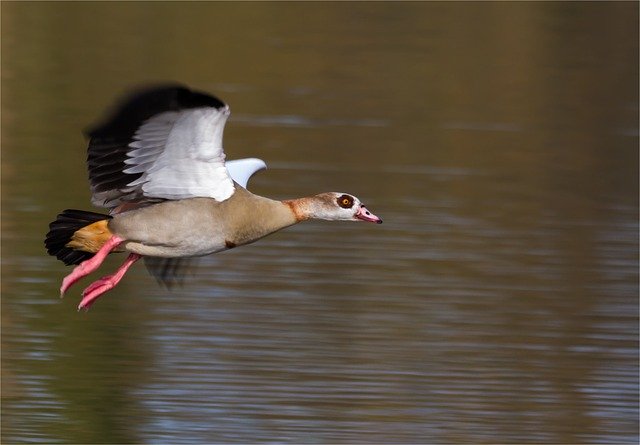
(242, 169)
(162, 143)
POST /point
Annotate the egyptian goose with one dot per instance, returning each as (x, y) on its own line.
(159, 168)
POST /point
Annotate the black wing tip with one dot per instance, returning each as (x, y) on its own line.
(142, 102)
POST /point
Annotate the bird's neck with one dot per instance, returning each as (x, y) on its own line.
(301, 208)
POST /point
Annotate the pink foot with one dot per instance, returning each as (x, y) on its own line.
(88, 266)
(105, 284)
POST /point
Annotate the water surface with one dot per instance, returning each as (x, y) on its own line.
(497, 303)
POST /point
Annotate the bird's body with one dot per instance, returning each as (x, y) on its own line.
(158, 166)
(196, 226)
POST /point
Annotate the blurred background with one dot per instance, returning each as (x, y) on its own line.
(497, 303)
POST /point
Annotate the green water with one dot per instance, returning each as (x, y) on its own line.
(497, 303)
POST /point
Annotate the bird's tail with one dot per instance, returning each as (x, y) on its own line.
(76, 235)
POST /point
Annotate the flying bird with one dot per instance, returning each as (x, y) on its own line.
(158, 166)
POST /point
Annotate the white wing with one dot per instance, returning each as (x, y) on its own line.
(180, 155)
(242, 169)
(161, 143)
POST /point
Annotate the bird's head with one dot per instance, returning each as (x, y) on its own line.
(338, 206)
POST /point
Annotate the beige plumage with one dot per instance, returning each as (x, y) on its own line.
(158, 166)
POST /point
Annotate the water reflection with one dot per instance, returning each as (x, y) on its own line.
(498, 302)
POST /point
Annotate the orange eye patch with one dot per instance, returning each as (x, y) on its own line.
(345, 201)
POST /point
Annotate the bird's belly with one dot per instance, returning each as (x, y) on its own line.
(170, 230)
(184, 249)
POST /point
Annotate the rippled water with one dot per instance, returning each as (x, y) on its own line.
(497, 303)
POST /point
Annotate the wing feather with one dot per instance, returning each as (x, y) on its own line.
(242, 169)
(170, 272)
(163, 143)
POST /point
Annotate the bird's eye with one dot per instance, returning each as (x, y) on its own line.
(345, 201)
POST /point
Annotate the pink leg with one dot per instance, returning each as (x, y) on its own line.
(88, 266)
(104, 284)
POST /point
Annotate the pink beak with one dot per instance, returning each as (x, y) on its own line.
(366, 215)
